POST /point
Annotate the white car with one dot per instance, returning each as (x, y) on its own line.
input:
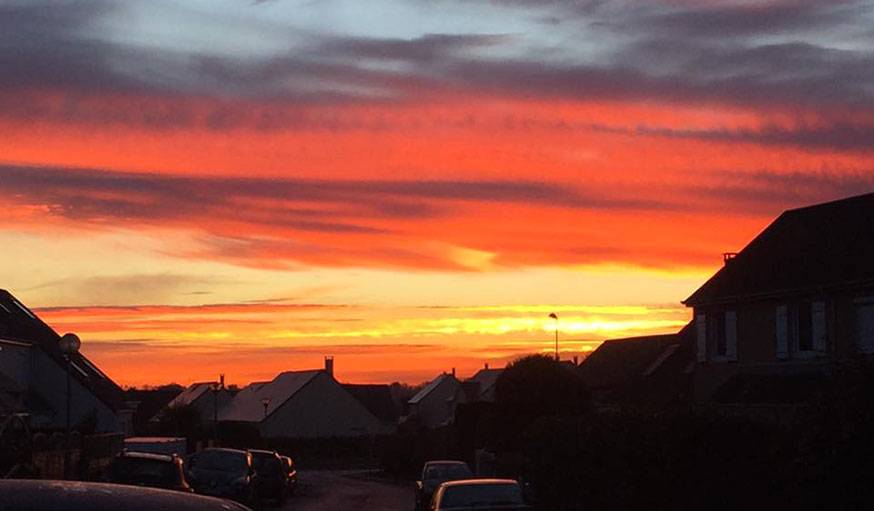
(479, 495)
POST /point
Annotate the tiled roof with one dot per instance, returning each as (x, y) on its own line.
(248, 404)
(808, 249)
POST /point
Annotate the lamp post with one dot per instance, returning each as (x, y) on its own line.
(555, 317)
(69, 345)
(215, 390)
(265, 403)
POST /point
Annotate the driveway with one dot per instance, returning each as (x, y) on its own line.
(322, 490)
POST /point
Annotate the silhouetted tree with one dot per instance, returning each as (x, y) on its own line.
(530, 388)
(537, 386)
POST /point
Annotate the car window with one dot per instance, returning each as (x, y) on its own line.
(447, 472)
(220, 461)
(266, 465)
(143, 471)
(481, 495)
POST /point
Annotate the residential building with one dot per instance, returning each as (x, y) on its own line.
(434, 405)
(485, 380)
(33, 377)
(302, 404)
(798, 297)
(653, 371)
(207, 397)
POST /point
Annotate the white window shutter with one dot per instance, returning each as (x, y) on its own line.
(782, 332)
(731, 335)
(701, 328)
(817, 326)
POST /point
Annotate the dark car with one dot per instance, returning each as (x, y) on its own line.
(45, 495)
(272, 479)
(147, 469)
(291, 474)
(226, 473)
(435, 473)
(479, 495)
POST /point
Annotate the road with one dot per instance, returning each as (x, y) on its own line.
(321, 490)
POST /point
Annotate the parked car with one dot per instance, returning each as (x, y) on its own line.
(435, 473)
(479, 495)
(291, 474)
(226, 473)
(46, 495)
(272, 480)
(147, 469)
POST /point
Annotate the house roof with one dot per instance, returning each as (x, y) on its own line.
(18, 323)
(376, 398)
(191, 394)
(648, 370)
(248, 404)
(486, 378)
(427, 389)
(807, 249)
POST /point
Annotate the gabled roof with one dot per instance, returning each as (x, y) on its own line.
(248, 404)
(486, 378)
(808, 249)
(651, 370)
(427, 389)
(376, 398)
(191, 394)
(18, 323)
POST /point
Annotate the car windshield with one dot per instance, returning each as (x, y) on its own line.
(447, 472)
(143, 471)
(482, 495)
(222, 461)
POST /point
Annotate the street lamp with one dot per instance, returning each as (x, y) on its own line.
(555, 317)
(265, 403)
(69, 345)
(215, 387)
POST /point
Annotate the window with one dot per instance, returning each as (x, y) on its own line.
(801, 329)
(865, 325)
(717, 336)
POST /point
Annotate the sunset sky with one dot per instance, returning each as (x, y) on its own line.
(242, 187)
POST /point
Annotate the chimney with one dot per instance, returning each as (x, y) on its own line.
(727, 257)
(453, 372)
(576, 360)
(329, 365)
(221, 381)
(487, 366)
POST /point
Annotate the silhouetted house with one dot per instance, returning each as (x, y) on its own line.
(799, 296)
(434, 405)
(653, 371)
(33, 377)
(209, 398)
(481, 386)
(377, 399)
(146, 403)
(302, 404)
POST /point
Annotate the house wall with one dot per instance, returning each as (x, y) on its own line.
(49, 382)
(15, 363)
(757, 338)
(321, 409)
(207, 403)
(435, 408)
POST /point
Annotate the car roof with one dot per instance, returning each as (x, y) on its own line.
(47, 495)
(263, 451)
(475, 482)
(146, 456)
(445, 462)
(224, 449)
